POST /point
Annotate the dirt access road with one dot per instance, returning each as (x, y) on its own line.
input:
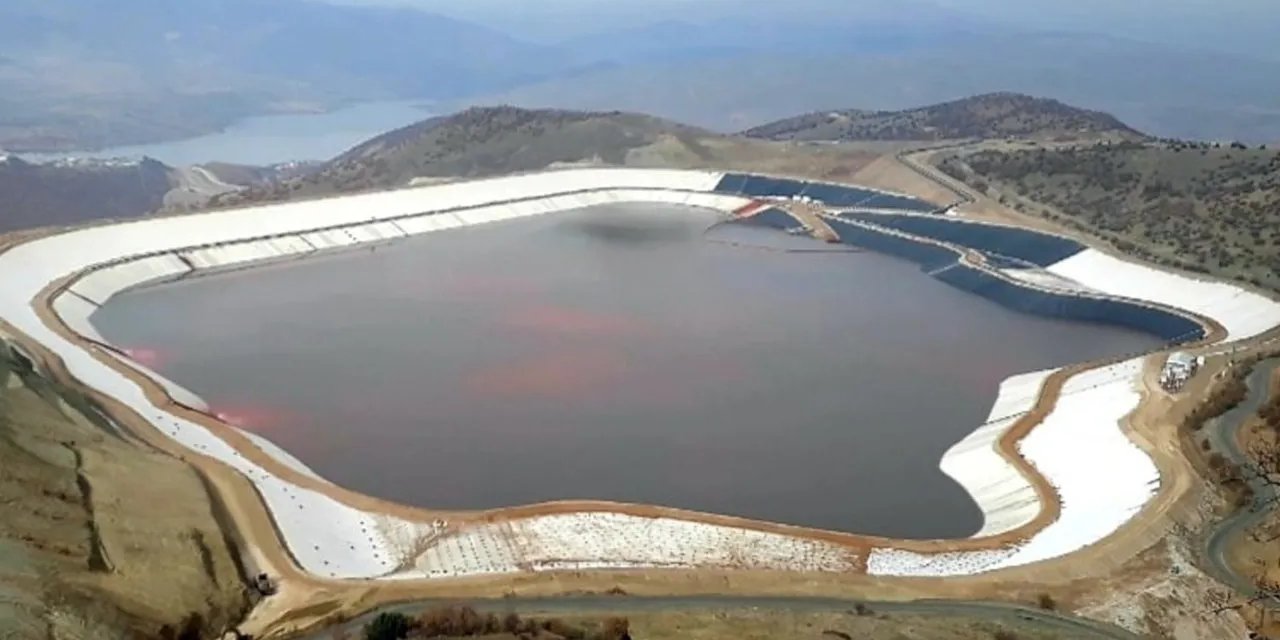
(981, 619)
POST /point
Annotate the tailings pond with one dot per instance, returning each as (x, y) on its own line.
(637, 353)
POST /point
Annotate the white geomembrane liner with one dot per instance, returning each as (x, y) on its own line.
(75, 311)
(280, 455)
(332, 539)
(1102, 477)
(1098, 496)
(1242, 313)
(1007, 499)
(243, 253)
(99, 285)
(598, 540)
(179, 393)
(1045, 279)
(897, 562)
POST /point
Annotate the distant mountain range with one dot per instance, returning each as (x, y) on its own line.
(486, 141)
(105, 72)
(1161, 90)
(992, 115)
(93, 73)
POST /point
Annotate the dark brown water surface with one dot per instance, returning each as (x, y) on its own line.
(620, 353)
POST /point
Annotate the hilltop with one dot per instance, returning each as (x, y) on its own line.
(992, 115)
(490, 141)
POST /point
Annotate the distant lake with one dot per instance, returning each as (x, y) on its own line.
(265, 140)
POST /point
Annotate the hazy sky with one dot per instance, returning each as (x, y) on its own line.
(1242, 26)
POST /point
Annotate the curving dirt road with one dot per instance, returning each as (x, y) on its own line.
(1077, 628)
(1223, 433)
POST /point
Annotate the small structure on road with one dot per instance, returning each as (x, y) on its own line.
(1178, 369)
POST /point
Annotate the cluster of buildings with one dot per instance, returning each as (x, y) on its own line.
(1178, 369)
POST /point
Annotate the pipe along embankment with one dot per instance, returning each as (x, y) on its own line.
(331, 532)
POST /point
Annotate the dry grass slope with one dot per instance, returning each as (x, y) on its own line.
(98, 538)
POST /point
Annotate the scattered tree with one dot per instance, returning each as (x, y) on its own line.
(388, 625)
(616, 628)
(1046, 602)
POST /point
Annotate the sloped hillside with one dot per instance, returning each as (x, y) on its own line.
(1205, 207)
(490, 141)
(100, 538)
(994, 115)
(38, 195)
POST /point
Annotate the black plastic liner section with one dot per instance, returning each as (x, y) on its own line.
(773, 218)
(943, 264)
(1022, 244)
(732, 183)
(1167, 326)
(777, 187)
(831, 194)
(929, 257)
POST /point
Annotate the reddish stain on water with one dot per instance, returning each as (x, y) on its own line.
(553, 319)
(256, 418)
(558, 375)
(145, 356)
(486, 285)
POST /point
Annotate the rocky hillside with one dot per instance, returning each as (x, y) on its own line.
(38, 195)
(100, 538)
(993, 115)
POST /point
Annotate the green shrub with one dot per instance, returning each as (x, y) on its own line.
(388, 625)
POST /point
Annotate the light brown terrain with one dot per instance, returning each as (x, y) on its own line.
(764, 624)
(100, 538)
